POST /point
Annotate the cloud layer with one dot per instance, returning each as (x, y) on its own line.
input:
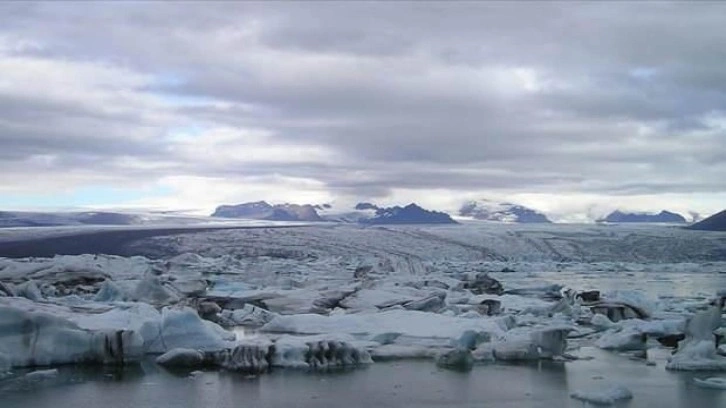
(564, 106)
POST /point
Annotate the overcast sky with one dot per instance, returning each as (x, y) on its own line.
(572, 108)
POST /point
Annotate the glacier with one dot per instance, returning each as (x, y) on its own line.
(339, 296)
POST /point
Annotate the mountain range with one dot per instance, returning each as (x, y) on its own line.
(410, 214)
(261, 210)
(625, 217)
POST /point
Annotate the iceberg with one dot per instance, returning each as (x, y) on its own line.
(698, 351)
(182, 328)
(30, 339)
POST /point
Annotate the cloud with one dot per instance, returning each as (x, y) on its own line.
(599, 103)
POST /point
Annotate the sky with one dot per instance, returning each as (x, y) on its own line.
(572, 108)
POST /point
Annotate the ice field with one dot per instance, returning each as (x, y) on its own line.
(474, 298)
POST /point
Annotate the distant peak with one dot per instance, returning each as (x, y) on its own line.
(488, 210)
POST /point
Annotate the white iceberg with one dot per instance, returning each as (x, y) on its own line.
(182, 328)
(39, 339)
(407, 322)
(698, 350)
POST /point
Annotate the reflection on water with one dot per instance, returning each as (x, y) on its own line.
(393, 384)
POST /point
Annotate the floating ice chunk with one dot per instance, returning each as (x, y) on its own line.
(318, 353)
(7, 289)
(223, 333)
(151, 290)
(553, 291)
(634, 299)
(484, 353)
(122, 316)
(470, 339)
(717, 383)
(386, 338)
(181, 357)
(401, 352)
(601, 321)
(430, 304)
(29, 290)
(251, 358)
(330, 299)
(622, 340)
(36, 338)
(482, 283)
(41, 375)
(551, 341)
(110, 292)
(457, 359)
(372, 299)
(181, 328)
(607, 395)
(248, 315)
(293, 301)
(408, 322)
(513, 303)
(696, 355)
(698, 351)
(518, 345)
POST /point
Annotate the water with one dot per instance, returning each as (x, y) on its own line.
(393, 384)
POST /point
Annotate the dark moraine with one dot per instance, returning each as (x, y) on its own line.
(109, 242)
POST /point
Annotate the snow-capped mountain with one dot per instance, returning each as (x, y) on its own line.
(501, 212)
(261, 210)
(663, 217)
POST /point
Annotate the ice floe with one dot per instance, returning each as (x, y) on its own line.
(606, 395)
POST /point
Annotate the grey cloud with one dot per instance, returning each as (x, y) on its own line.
(404, 97)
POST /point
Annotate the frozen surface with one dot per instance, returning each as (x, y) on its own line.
(340, 296)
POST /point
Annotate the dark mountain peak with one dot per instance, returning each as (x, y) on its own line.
(410, 214)
(261, 210)
(716, 222)
(664, 216)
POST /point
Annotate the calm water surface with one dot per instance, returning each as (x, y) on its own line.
(393, 384)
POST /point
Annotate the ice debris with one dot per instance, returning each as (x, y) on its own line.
(717, 383)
